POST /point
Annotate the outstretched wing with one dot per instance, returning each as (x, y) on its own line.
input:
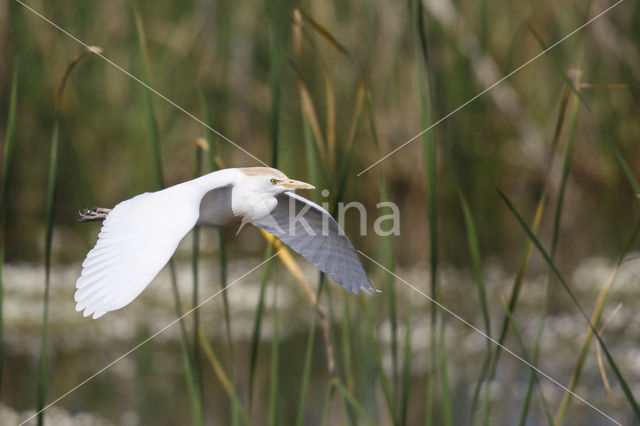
(311, 231)
(137, 239)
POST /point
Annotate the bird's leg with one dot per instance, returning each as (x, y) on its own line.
(93, 215)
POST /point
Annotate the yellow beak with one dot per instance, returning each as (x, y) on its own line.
(296, 184)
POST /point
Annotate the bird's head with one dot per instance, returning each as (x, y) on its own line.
(269, 180)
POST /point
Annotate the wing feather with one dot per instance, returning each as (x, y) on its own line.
(137, 239)
(326, 246)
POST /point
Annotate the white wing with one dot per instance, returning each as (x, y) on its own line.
(311, 231)
(137, 239)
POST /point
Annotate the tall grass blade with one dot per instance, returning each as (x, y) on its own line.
(406, 369)
(603, 373)
(555, 232)
(485, 371)
(483, 24)
(623, 383)
(595, 318)
(346, 410)
(558, 67)
(566, 166)
(306, 372)
(44, 359)
(429, 161)
(312, 145)
(525, 353)
(476, 262)
(275, 343)
(275, 86)
(201, 145)
(377, 353)
(311, 118)
(294, 269)
(329, 38)
(347, 357)
(312, 164)
(344, 392)
(41, 389)
(331, 119)
(297, 31)
(318, 150)
(192, 391)
(314, 150)
(9, 143)
(275, 28)
(329, 334)
(488, 370)
(257, 324)
(214, 164)
(387, 247)
(446, 403)
(151, 116)
(564, 102)
(327, 404)
(287, 259)
(209, 135)
(321, 317)
(226, 383)
(559, 203)
(635, 186)
(346, 342)
(354, 128)
(275, 78)
(341, 185)
(275, 81)
(532, 379)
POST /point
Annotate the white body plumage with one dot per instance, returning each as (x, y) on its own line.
(140, 235)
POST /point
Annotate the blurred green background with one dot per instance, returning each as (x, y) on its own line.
(376, 74)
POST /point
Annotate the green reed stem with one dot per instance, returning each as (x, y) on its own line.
(213, 166)
(154, 137)
(197, 354)
(41, 389)
(273, 383)
(9, 144)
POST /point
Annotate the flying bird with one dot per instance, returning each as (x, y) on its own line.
(139, 235)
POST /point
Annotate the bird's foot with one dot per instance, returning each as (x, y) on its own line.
(93, 215)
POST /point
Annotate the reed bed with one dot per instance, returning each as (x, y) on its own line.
(535, 176)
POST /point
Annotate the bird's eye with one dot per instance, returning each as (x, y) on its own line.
(274, 181)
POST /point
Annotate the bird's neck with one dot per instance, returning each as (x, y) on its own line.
(247, 201)
(252, 204)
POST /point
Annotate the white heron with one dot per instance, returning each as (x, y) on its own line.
(139, 235)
